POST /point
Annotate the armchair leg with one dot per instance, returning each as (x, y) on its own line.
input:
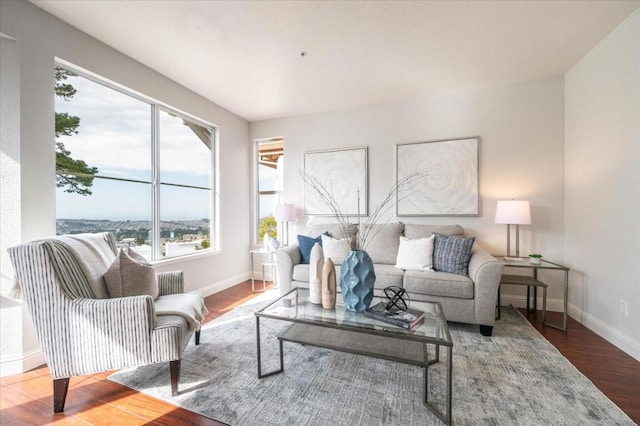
(60, 387)
(174, 368)
(198, 337)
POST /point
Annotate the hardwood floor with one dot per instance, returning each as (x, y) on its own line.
(27, 398)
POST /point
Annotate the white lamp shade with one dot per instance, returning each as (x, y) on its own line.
(513, 212)
(285, 213)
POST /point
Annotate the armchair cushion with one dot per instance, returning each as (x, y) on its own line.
(131, 275)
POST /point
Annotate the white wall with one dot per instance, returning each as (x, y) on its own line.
(42, 38)
(17, 340)
(521, 154)
(602, 195)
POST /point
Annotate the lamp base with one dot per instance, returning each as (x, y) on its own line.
(513, 259)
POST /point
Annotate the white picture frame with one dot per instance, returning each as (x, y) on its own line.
(450, 186)
(343, 172)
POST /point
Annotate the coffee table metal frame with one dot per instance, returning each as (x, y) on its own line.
(295, 307)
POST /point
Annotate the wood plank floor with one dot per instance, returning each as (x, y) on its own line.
(27, 398)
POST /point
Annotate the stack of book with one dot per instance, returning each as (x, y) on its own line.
(405, 319)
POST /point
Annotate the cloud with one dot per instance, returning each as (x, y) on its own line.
(115, 133)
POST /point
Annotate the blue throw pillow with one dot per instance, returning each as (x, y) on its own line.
(452, 253)
(307, 243)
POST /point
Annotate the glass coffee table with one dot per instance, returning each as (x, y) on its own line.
(342, 330)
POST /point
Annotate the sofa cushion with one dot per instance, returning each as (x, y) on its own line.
(415, 255)
(306, 244)
(414, 230)
(452, 254)
(335, 249)
(301, 272)
(434, 283)
(383, 241)
(387, 275)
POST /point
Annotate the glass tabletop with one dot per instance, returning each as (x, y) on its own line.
(525, 262)
(295, 306)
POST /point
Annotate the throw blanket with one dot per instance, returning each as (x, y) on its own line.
(81, 261)
(188, 305)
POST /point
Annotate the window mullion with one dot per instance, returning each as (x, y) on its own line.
(155, 179)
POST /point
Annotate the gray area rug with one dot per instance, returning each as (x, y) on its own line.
(513, 377)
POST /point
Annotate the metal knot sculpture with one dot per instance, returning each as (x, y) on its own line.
(397, 299)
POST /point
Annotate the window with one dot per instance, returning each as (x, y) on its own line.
(132, 167)
(270, 160)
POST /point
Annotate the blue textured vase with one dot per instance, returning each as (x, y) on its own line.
(356, 280)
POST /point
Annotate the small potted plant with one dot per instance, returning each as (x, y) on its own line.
(534, 258)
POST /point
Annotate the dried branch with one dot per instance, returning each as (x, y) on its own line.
(402, 189)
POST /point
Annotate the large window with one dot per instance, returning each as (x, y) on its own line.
(132, 167)
(270, 159)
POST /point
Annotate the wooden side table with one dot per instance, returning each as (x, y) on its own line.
(533, 282)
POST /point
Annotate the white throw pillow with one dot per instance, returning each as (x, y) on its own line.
(335, 249)
(415, 255)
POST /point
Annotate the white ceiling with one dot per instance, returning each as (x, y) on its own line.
(246, 55)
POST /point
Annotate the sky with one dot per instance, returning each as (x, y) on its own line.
(115, 136)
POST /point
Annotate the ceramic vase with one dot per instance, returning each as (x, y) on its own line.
(328, 284)
(356, 280)
(273, 244)
(315, 274)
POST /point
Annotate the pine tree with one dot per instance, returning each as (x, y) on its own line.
(75, 176)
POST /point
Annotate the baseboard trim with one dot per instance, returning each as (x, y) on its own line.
(224, 284)
(625, 343)
(604, 330)
(19, 363)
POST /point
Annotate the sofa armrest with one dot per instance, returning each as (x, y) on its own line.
(485, 271)
(170, 282)
(286, 258)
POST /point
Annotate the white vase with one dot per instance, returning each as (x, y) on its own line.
(315, 274)
(273, 244)
(328, 284)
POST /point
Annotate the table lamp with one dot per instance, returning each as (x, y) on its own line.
(513, 212)
(285, 213)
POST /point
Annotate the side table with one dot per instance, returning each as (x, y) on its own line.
(533, 282)
(269, 264)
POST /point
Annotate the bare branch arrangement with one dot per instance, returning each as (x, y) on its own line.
(366, 232)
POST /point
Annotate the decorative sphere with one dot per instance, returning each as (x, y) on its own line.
(397, 299)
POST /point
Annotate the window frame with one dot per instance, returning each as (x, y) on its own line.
(258, 193)
(155, 108)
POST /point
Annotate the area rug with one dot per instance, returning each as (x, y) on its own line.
(514, 377)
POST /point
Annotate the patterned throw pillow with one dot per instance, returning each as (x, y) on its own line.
(452, 254)
(306, 244)
(130, 274)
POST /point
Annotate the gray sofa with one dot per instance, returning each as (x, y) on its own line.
(467, 299)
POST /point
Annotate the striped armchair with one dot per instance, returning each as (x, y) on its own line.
(82, 330)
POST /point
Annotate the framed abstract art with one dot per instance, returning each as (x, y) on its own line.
(450, 185)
